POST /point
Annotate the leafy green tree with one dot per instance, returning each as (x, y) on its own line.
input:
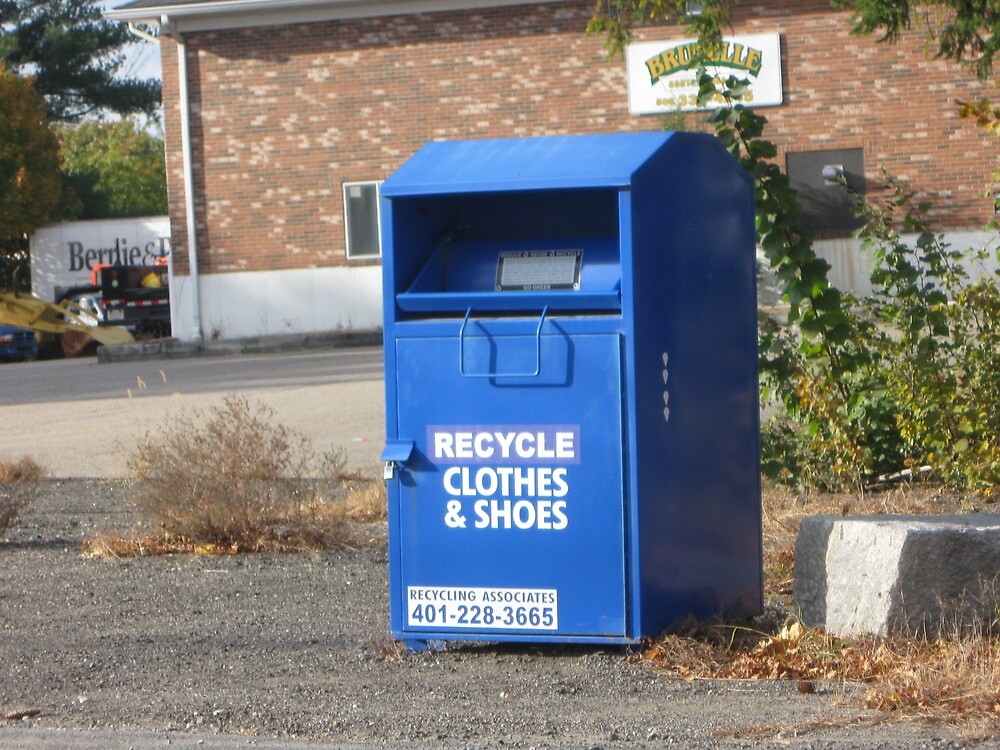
(73, 54)
(116, 169)
(30, 187)
(967, 31)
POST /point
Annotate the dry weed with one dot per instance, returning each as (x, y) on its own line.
(366, 500)
(18, 488)
(945, 678)
(387, 648)
(320, 525)
(25, 469)
(948, 680)
(229, 480)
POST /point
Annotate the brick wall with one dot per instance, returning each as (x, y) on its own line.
(846, 91)
(283, 116)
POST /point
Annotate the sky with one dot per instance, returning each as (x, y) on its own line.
(142, 59)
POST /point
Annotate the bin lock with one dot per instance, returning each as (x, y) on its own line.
(396, 454)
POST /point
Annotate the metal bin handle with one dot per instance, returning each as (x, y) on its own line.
(538, 352)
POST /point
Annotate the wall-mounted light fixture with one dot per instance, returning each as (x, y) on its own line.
(694, 7)
(832, 173)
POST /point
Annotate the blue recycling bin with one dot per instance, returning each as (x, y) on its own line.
(571, 388)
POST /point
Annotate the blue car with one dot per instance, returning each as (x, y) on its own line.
(17, 344)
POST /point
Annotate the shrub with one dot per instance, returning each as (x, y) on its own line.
(18, 488)
(939, 358)
(915, 380)
(229, 477)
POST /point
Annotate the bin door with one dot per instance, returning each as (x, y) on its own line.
(511, 509)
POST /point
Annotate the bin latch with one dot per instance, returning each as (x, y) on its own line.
(395, 455)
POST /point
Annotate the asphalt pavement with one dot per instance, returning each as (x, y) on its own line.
(82, 417)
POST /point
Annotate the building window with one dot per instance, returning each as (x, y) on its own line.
(361, 213)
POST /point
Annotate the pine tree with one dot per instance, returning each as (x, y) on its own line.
(72, 53)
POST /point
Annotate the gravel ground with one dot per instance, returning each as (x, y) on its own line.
(211, 651)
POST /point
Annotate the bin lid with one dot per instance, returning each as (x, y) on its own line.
(544, 162)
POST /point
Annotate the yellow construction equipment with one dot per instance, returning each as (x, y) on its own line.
(27, 311)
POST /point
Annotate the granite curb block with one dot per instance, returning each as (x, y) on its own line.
(887, 575)
(175, 349)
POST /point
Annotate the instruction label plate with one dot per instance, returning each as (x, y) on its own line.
(538, 270)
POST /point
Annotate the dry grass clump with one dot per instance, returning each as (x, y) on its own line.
(949, 680)
(954, 678)
(25, 469)
(328, 524)
(366, 500)
(717, 651)
(18, 487)
(230, 480)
